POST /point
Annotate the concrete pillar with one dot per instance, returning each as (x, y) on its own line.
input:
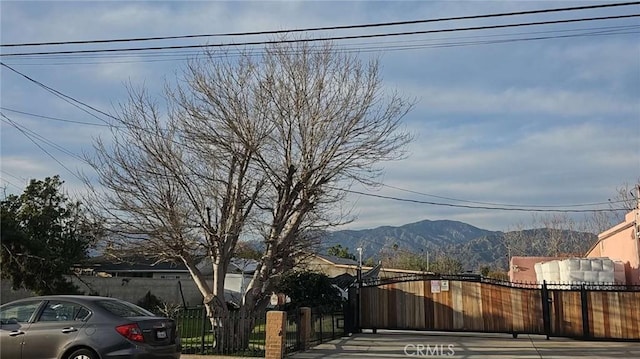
(305, 328)
(275, 334)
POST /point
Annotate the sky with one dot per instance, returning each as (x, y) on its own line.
(526, 117)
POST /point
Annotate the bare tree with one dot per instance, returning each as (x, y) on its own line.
(623, 201)
(262, 143)
(561, 237)
(516, 242)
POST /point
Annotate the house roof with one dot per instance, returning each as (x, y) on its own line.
(336, 260)
(243, 265)
(345, 280)
(141, 264)
(373, 272)
(132, 264)
(236, 265)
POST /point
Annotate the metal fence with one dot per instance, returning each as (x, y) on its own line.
(326, 326)
(292, 339)
(198, 335)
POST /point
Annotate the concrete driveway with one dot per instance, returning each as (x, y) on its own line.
(403, 344)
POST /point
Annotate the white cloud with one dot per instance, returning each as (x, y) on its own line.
(557, 166)
(532, 122)
(546, 101)
(23, 165)
(609, 63)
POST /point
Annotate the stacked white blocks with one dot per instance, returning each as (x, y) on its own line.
(580, 270)
(551, 271)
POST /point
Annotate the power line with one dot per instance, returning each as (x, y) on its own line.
(478, 207)
(364, 47)
(12, 123)
(66, 98)
(491, 207)
(504, 207)
(77, 103)
(46, 140)
(10, 183)
(325, 28)
(502, 204)
(72, 101)
(19, 178)
(55, 118)
(22, 179)
(310, 40)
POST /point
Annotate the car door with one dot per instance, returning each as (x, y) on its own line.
(15, 320)
(54, 329)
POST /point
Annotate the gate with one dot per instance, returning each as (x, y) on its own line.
(595, 312)
(476, 304)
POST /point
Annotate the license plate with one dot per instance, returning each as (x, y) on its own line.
(161, 334)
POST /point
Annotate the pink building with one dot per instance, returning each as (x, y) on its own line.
(522, 269)
(621, 243)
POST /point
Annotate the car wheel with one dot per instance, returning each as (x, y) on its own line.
(82, 354)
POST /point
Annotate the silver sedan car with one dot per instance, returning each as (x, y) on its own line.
(84, 327)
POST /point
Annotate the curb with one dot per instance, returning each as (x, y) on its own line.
(196, 356)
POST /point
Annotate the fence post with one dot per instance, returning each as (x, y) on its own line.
(275, 334)
(321, 336)
(204, 329)
(546, 310)
(304, 328)
(358, 324)
(333, 325)
(349, 310)
(584, 301)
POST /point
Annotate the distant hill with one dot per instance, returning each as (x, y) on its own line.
(471, 245)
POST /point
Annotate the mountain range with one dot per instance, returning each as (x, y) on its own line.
(472, 246)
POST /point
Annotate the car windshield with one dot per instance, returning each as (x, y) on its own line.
(123, 309)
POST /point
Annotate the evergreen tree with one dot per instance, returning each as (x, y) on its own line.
(43, 235)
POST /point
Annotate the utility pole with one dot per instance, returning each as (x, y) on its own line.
(427, 261)
(636, 225)
(358, 293)
(359, 249)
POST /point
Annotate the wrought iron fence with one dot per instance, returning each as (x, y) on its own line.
(292, 340)
(199, 336)
(232, 334)
(326, 326)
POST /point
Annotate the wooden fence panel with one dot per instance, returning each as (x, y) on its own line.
(455, 288)
(630, 315)
(534, 321)
(488, 307)
(596, 315)
(566, 313)
(466, 306)
(505, 308)
(614, 315)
